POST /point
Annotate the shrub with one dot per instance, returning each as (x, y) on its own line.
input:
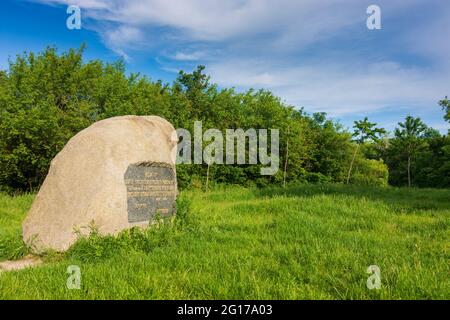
(370, 172)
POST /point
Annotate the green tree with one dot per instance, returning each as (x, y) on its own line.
(47, 98)
(364, 131)
(445, 104)
(409, 136)
(433, 162)
(371, 172)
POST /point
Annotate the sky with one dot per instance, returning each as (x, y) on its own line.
(319, 55)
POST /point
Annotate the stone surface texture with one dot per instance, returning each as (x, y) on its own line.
(85, 183)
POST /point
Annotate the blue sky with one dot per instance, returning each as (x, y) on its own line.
(315, 54)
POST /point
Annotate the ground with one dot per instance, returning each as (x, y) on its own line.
(303, 242)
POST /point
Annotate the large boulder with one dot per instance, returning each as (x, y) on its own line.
(116, 174)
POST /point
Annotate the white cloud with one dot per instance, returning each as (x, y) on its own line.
(338, 89)
(303, 21)
(284, 45)
(122, 38)
(189, 56)
(86, 4)
(218, 20)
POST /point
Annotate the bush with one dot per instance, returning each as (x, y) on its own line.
(313, 177)
(370, 172)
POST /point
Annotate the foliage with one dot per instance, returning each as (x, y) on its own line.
(364, 131)
(416, 155)
(445, 104)
(370, 172)
(45, 99)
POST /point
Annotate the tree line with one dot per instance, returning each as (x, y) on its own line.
(46, 98)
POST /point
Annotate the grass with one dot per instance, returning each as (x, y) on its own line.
(12, 211)
(303, 242)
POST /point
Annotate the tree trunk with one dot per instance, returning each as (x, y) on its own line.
(207, 177)
(409, 171)
(286, 160)
(351, 163)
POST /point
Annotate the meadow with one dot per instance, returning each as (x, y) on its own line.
(302, 242)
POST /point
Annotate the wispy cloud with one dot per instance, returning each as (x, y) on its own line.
(123, 38)
(338, 89)
(189, 56)
(314, 54)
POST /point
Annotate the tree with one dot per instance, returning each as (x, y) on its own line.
(409, 135)
(46, 98)
(364, 131)
(445, 104)
(433, 162)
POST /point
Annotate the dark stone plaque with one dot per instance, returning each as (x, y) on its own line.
(151, 189)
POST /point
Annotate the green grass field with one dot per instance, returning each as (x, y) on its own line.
(303, 242)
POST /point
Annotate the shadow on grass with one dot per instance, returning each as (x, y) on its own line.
(401, 200)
